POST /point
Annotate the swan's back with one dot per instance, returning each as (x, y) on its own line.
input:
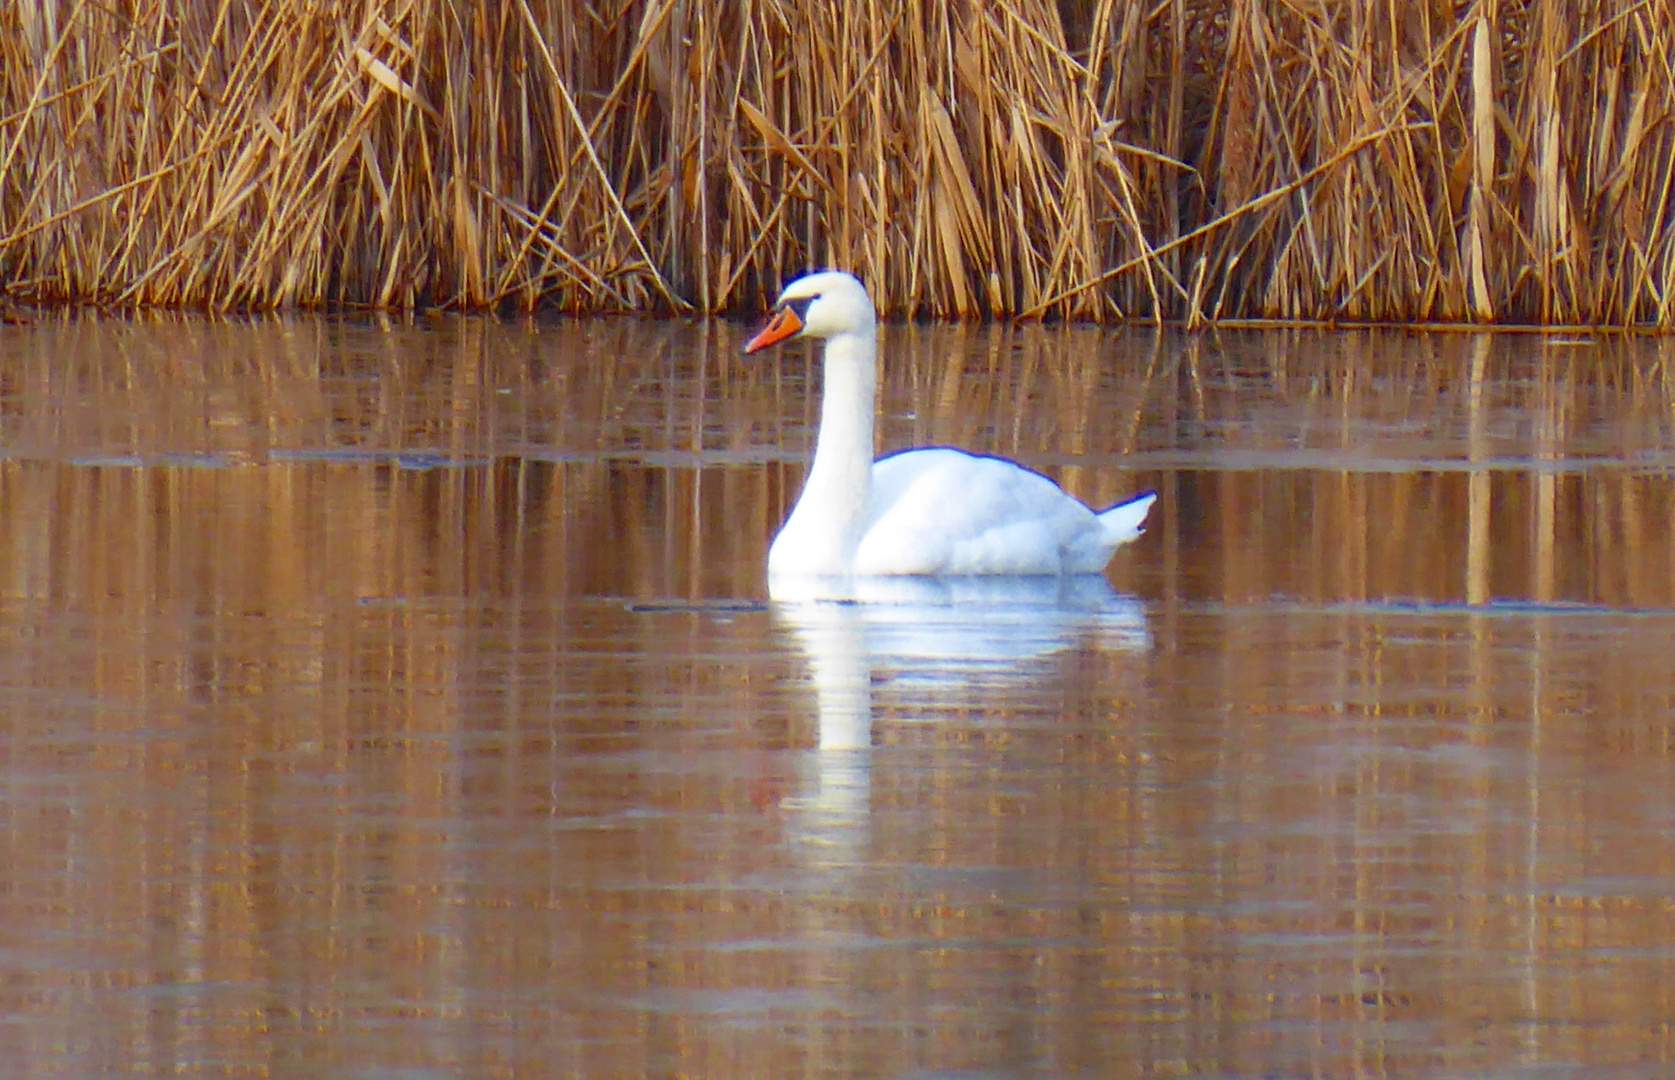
(944, 511)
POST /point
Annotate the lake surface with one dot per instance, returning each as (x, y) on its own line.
(400, 699)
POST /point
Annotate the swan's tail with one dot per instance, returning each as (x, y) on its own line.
(1127, 520)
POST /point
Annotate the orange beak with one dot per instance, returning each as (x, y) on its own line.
(785, 324)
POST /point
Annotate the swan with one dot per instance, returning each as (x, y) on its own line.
(934, 511)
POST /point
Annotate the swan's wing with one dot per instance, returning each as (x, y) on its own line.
(948, 512)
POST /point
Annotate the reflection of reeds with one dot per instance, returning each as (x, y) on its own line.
(1442, 469)
(336, 734)
(1378, 464)
(1369, 160)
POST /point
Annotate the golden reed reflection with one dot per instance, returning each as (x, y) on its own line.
(329, 741)
(1350, 466)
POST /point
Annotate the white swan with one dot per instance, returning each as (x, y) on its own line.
(936, 511)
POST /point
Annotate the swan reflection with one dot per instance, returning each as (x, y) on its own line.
(931, 633)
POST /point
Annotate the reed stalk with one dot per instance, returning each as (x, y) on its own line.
(1365, 161)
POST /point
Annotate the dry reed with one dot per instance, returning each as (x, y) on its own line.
(1370, 160)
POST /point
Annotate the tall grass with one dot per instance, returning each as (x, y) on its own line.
(1366, 160)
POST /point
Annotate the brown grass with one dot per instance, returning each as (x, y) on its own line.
(1363, 161)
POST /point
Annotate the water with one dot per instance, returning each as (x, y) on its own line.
(391, 700)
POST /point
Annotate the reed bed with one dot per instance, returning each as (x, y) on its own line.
(1370, 160)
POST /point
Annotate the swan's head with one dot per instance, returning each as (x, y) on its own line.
(822, 305)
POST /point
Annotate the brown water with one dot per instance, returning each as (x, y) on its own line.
(401, 701)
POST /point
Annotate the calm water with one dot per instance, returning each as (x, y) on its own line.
(400, 700)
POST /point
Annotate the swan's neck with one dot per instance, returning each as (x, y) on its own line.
(830, 515)
(842, 471)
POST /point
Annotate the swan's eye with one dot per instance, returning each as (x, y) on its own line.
(801, 306)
